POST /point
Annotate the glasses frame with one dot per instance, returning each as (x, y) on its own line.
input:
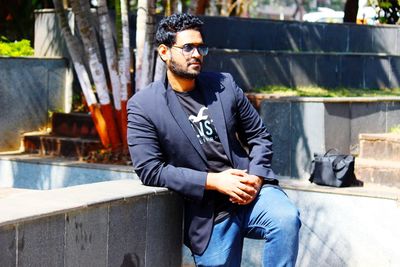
(199, 49)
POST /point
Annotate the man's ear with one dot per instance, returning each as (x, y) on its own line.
(164, 52)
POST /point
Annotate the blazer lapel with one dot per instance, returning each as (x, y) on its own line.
(180, 117)
(215, 106)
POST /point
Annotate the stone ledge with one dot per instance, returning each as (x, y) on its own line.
(370, 190)
(282, 98)
(288, 52)
(106, 224)
(392, 137)
(33, 58)
(22, 205)
(58, 161)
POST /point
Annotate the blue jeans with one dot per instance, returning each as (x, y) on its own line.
(272, 217)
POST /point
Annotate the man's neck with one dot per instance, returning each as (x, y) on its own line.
(180, 84)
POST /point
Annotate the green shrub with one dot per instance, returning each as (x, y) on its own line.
(15, 49)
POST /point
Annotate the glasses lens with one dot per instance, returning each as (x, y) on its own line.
(203, 50)
(187, 49)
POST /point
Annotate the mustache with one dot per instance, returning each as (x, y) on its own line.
(195, 60)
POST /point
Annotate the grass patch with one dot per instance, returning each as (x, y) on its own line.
(395, 129)
(308, 91)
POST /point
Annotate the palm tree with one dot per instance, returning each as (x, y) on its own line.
(118, 60)
(81, 9)
(76, 54)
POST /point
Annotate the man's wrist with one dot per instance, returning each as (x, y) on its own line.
(210, 181)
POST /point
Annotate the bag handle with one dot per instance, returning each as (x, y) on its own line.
(337, 160)
(330, 150)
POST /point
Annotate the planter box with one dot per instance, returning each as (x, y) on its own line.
(301, 127)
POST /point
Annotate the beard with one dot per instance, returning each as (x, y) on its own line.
(178, 70)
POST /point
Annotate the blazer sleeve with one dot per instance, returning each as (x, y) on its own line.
(149, 161)
(255, 134)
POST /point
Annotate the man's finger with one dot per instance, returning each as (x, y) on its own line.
(251, 180)
(251, 190)
(238, 172)
(242, 194)
(234, 198)
(247, 179)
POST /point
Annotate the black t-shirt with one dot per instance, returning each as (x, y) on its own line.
(203, 125)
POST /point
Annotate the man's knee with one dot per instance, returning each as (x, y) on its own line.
(284, 216)
(289, 219)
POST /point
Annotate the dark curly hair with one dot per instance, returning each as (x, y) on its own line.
(169, 26)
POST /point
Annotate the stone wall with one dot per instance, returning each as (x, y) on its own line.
(354, 226)
(123, 223)
(301, 127)
(255, 69)
(120, 223)
(341, 230)
(50, 173)
(261, 52)
(30, 88)
(296, 36)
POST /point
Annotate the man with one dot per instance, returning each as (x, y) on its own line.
(197, 134)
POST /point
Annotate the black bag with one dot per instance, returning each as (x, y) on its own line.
(333, 169)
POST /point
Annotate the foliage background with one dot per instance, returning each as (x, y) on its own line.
(15, 49)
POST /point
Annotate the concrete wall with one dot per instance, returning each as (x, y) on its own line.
(123, 223)
(271, 35)
(29, 89)
(275, 35)
(16, 172)
(341, 230)
(255, 69)
(301, 127)
(118, 223)
(355, 227)
(48, 39)
(289, 53)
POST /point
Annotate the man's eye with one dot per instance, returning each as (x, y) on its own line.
(187, 48)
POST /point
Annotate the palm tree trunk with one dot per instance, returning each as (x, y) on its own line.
(81, 9)
(124, 67)
(76, 54)
(110, 51)
(145, 30)
(119, 88)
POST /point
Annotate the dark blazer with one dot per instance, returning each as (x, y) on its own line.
(166, 152)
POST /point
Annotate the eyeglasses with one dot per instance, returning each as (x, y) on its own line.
(187, 49)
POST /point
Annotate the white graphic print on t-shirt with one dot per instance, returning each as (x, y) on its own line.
(204, 127)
